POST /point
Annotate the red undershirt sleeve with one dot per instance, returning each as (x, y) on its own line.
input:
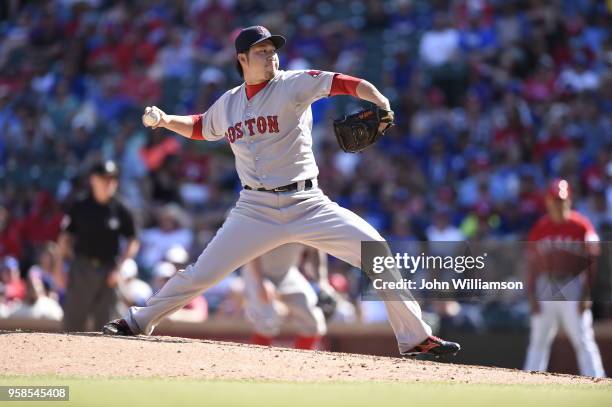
(196, 133)
(344, 85)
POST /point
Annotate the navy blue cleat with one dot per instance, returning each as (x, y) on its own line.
(433, 346)
(117, 327)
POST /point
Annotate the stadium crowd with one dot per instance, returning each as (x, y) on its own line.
(492, 99)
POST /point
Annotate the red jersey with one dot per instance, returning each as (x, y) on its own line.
(576, 229)
(559, 249)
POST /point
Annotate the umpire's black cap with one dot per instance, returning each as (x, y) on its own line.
(254, 35)
(106, 168)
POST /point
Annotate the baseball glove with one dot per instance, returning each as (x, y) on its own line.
(358, 131)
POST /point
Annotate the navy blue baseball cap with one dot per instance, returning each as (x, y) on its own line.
(254, 35)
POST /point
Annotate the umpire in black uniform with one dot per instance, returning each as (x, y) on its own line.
(91, 235)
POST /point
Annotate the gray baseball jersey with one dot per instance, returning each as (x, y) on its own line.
(270, 134)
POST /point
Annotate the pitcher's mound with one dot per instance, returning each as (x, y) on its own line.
(91, 355)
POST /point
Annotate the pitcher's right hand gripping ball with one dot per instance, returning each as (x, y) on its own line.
(152, 116)
(360, 130)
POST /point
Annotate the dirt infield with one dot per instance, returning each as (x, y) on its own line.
(93, 355)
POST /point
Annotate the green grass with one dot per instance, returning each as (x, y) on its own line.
(185, 392)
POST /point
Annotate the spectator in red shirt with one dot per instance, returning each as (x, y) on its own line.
(43, 222)
(553, 142)
(540, 87)
(517, 129)
(140, 86)
(14, 286)
(11, 235)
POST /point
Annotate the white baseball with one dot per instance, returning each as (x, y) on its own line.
(151, 118)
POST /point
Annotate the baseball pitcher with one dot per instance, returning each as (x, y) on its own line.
(268, 122)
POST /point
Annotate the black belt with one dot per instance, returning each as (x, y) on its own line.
(308, 184)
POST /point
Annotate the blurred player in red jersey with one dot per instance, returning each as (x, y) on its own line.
(559, 277)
